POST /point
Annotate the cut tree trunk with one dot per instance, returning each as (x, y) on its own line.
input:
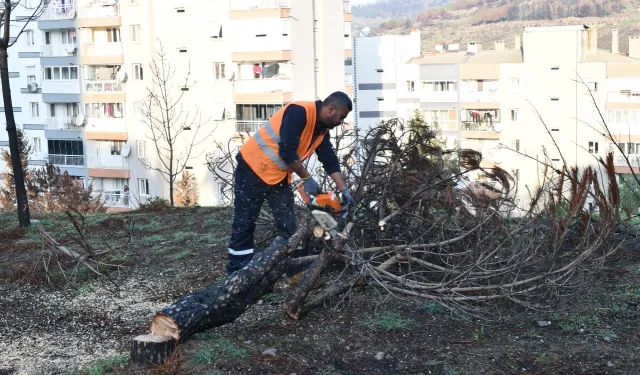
(225, 301)
(151, 349)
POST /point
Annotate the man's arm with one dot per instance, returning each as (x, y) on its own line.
(327, 156)
(293, 121)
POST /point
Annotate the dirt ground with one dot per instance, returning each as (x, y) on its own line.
(75, 325)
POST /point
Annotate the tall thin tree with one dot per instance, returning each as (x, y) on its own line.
(7, 40)
(174, 130)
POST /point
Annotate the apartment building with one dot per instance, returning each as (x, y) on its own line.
(490, 98)
(84, 73)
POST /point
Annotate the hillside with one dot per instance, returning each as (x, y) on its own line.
(462, 21)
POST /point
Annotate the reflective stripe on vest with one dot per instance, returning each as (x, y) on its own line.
(267, 150)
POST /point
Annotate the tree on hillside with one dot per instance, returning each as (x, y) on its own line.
(35, 8)
(174, 130)
(8, 200)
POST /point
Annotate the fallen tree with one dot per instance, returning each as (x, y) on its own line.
(422, 230)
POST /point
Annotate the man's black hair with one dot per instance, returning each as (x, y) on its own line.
(339, 100)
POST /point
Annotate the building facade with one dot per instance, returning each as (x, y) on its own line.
(505, 102)
(84, 74)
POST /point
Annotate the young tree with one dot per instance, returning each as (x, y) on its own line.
(8, 190)
(187, 190)
(6, 41)
(174, 130)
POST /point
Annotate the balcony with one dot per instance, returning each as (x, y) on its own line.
(235, 5)
(346, 6)
(445, 125)
(348, 79)
(487, 99)
(99, 15)
(101, 54)
(62, 123)
(249, 126)
(439, 96)
(106, 129)
(103, 87)
(479, 130)
(108, 162)
(112, 198)
(65, 12)
(67, 160)
(623, 168)
(108, 166)
(622, 101)
(263, 90)
(59, 50)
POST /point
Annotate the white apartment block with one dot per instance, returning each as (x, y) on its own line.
(488, 98)
(247, 59)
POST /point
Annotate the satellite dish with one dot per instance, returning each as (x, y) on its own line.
(497, 128)
(365, 31)
(121, 76)
(125, 151)
(79, 119)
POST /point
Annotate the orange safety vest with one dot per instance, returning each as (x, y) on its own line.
(260, 151)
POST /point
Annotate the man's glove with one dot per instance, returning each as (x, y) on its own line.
(346, 195)
(310, 186)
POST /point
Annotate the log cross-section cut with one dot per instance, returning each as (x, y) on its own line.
(151, 349)
(225, 301)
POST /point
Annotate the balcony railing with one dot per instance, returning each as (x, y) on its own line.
(65, 12)
(634, 160)
(108, 162)
(102, 49)
(102, 86)
(444, 124)
(617, 97)
(249, 126)
(478, 126)
(258, 4)
(99, 11)
(112, 198)
(68, 160)
(263, 85)
(62, 123)
(55, 50)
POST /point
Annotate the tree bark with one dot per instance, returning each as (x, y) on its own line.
(24, 217)
(224, 301)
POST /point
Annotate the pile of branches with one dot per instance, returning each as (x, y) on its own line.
(422, 229)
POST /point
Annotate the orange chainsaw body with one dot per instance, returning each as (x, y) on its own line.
(328, 202)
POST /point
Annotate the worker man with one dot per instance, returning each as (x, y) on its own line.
(267, 160)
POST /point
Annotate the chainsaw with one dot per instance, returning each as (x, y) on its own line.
(328, 211)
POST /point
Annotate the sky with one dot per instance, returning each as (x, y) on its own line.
(360, 2)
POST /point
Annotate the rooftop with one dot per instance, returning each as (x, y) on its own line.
(606, 56)
(440, 58)
(493, 56)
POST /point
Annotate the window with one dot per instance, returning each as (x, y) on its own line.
(516, 145)
(593, 86)
(182, 50)
(55, 73)
(133, 2)
(59, 147)
(411, 86)
(179, 10)
(113, 35)
(215, 30)
(377, 70)
(143, 186)
(30, 35)
(34, 109)
(69, 36)
(52, 110)
(555, 68)
(438, 86)
(514, 115)
(141, 149)
(514, 85)
(137, 72)
(37, 145)
(555, 99)
(31, 78)
(218, 71)
(631, 147)
(593, 147)
(135, 33)
(103, 110)
(116, 147)
(139, 107)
